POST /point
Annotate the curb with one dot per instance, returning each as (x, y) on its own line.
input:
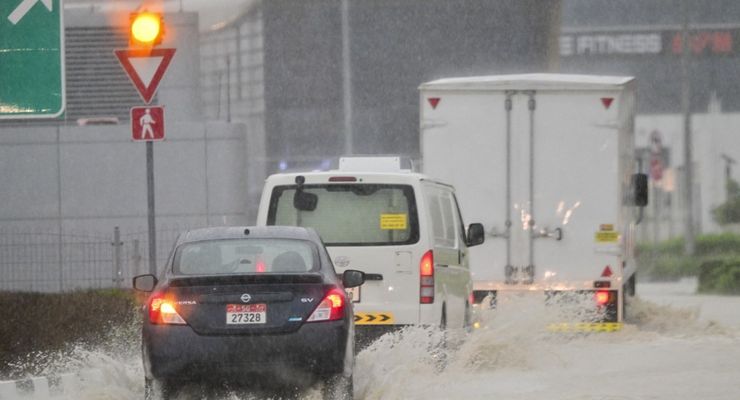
(62, 387)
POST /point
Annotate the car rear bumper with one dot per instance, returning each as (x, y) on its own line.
(176, 352)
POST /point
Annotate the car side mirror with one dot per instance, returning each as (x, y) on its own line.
(145, 283)
(352, 278)
(639, 190)
(305, 201)
(476, 234)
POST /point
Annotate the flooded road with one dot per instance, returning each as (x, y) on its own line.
(677, 346)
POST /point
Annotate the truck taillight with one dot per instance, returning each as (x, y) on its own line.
(426, 278)
(331, 308)
(602, 297)
(162, 311)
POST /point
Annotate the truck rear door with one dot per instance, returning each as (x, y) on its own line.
(540, 171)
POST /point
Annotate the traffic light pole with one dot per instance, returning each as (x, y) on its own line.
(150, 207)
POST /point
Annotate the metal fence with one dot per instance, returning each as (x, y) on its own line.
(40, 261)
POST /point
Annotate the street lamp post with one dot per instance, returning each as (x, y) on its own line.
(347, 80)
(689, 235)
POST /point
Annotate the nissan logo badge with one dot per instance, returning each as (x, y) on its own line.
(246, 298)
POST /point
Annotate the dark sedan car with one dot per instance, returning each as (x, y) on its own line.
(248, 305)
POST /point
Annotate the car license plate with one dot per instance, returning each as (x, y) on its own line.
(243, 314)
(354, 294)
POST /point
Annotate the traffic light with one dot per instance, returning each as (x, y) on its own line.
(146, 28)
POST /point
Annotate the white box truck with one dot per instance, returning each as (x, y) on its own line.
(555, 181)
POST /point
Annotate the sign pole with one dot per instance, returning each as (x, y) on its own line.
(150, 208)
(147, 123)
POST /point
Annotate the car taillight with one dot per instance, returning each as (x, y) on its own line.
(426, 278)
(331, 308)
(602, 297)
(162, 311)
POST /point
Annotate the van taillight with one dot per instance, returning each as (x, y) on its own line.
(426, 278)
(331, 308)
(162, 311)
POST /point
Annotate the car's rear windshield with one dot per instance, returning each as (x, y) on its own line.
(246, 256)
(357, 214)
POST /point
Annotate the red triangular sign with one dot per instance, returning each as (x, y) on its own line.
(607, 102)
(145, 68)
(607, 272)
(433, 101)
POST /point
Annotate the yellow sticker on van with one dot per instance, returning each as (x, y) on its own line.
(393, 221)
(607, 237)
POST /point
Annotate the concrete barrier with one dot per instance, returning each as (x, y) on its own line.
(67, 386)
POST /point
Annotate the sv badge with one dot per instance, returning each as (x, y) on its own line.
(307, 300)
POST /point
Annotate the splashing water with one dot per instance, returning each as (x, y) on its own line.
(662, 352)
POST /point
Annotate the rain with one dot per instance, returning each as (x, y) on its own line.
(108, 153)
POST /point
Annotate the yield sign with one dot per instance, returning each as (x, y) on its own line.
(145, 68)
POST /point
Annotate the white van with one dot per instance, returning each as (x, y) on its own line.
(403, 229)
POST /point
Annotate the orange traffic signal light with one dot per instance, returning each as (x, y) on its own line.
(146, 28)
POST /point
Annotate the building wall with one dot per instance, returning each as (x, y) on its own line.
(232, 65)
(642, 38)
(715, 134)
(67, 183)
(394, 47)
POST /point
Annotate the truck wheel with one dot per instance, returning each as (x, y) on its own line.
(443, 321)
(338, 387)
(157, 390)
(628, 292)
(467, 326)
(439, 351)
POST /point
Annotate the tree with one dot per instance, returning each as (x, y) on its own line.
(729, 212)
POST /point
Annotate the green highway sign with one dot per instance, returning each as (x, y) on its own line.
(31, 59)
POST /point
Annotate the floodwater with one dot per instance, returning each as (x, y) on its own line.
(677, 345)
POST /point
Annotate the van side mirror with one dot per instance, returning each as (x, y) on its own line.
(352, 278)
(639, 190)
(145, 283)
(305, 201)
(476, 234)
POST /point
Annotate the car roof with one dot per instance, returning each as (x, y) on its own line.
(254, 232)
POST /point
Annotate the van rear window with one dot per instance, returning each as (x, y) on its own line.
(349, 214)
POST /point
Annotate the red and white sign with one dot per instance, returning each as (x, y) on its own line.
(607, 102)
(656, 155)
(145, 68)
(147, 123)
